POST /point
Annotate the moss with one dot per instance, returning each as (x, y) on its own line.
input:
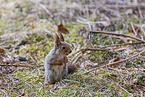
(38, 28)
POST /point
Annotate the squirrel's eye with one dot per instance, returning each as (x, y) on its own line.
(69, 51)
(63, 47)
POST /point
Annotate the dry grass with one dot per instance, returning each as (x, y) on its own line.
(110, 64)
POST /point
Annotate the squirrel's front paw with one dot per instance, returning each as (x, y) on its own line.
(65, 60)
(57, 63)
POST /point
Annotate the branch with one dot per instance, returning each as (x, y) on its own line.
(117, 34)
(123, 44)
(20, 65)
(115, 62)
(91, 49)
(123, 60)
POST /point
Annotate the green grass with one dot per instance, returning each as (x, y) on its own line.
(38, 29)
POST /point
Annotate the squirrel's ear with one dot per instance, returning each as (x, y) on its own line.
(57, 41)
(61, 36)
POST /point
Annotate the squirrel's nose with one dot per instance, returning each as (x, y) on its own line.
(70, 51)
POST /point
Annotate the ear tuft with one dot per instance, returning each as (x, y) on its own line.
(57, 41)
(62, 29)
(61, 36)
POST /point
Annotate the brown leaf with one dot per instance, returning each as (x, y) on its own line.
(122, 64)
(116, 59)
(2, 51)
(62, 29)
(137, 30)
(88, 65)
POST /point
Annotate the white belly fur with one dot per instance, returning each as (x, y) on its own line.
(59, 70)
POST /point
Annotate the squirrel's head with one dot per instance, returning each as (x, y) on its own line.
(63, 47)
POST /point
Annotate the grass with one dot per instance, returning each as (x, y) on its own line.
(27, 29)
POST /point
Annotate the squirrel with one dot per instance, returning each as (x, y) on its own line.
(56, 62)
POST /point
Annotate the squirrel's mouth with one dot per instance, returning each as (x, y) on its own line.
(67, 53)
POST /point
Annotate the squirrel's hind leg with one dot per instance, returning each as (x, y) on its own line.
(65, 71)
(50, 77)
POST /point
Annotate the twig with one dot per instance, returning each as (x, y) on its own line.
(48, 12)
(114, 62)
(124, 59)
(77, 58)
(89, 71)
(125, 90)
(4, 92)
(127, 6)
(140, 12)
(117, 34)
(72, 81)
(44, 7)
(128, 60)
(91, 49)
(20, 65)
(122, 44)
(17, 21)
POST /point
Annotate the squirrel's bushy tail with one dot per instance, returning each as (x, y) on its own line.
(71, 68)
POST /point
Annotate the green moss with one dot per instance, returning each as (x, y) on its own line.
(38, 27)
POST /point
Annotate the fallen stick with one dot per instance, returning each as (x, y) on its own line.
(117, 34)
(20, 65)
(115, 62)
(91, 49)
(123, 44)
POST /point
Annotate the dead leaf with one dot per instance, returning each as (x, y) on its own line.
(117, 59)
(62, 29)
(137, 30)
(122, 64)
(88, 65)
(2, 51)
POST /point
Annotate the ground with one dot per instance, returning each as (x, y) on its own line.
(107, 39)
